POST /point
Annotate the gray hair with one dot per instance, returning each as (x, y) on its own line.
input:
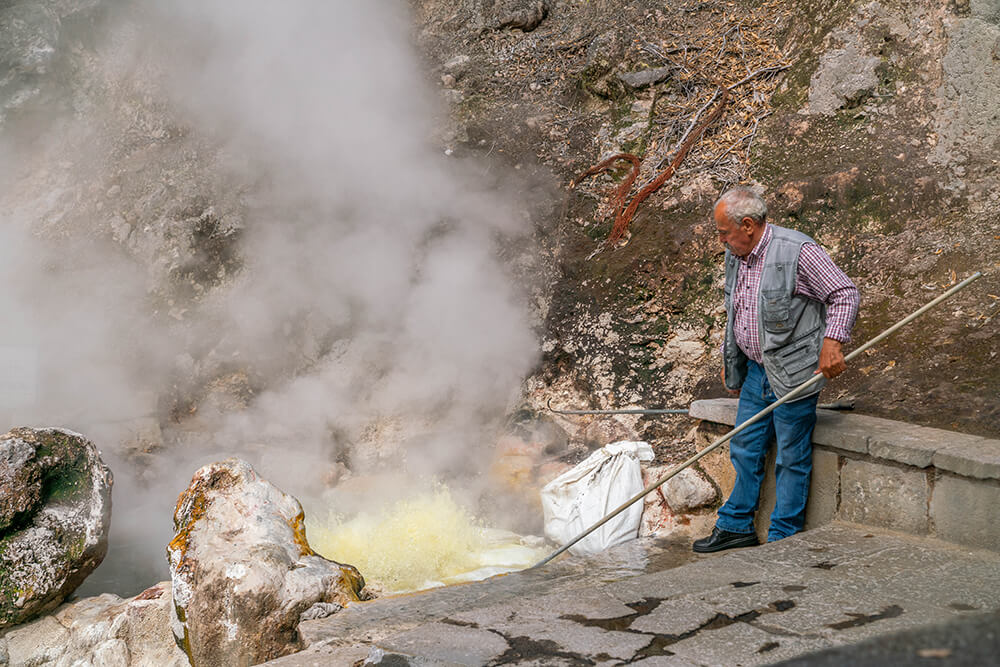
(743, 203)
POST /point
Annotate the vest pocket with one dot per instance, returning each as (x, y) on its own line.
(798, 355)
(775, 310)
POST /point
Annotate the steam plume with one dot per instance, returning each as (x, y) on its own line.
(370, 286)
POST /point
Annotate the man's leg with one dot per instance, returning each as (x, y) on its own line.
(793, 425)
(747, 452)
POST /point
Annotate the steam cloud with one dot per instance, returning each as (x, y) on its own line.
(371, 291)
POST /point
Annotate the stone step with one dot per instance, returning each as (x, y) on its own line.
(880, 472)
(655, 603)
(919, 446)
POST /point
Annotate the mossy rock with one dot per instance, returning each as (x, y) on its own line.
(55, 510)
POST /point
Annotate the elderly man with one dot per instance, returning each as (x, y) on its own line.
(789, 309)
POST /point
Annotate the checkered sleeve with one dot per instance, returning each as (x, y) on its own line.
(820, 279)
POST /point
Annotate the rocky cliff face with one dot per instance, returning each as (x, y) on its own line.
(877, 141)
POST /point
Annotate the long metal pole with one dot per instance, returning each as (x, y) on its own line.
(625, 411)
(757, 417)
(837, 405)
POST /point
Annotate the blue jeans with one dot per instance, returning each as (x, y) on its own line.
(791, 424)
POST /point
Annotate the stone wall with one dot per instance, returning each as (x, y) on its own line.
(879, 472)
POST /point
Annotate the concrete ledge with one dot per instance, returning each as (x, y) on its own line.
(907, 444)
(919, 446)
(970, 456)
(900, 476)
(837, 430)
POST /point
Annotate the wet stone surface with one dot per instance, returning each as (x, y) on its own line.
(656, 603)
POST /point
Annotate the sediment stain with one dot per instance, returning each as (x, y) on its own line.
(525, 648)
(858, 620)
(619, 623)
(659, 643)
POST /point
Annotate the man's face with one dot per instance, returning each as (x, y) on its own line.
(739, 238)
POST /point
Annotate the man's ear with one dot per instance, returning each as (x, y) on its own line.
(748, 225)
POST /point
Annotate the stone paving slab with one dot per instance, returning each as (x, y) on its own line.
(665, 661)
(698, 576)
(718, 410)
(830, 586)
(448, 644)
(570, 621)
(968, 641)
(804, 555)
(745, 644)
(963, 585)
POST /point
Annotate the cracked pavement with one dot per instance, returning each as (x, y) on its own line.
(654, 603)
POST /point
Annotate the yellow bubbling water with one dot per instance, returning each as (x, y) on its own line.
(420, 543)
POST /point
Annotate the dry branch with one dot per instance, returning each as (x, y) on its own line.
(625, 217)
(618, 200)
(690, 125)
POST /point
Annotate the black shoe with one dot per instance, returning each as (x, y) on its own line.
(723, 539)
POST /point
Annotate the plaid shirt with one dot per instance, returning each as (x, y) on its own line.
(817, 278)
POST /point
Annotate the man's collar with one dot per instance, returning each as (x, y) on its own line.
(758, 249)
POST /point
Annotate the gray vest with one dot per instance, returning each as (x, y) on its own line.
(791, 327)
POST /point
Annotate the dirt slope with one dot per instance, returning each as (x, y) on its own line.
(877, 139)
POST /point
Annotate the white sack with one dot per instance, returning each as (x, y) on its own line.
(579, 498)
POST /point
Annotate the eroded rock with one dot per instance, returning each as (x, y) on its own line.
(102, 630)
(844, 77)
(604, 53)
(967, 98)
(31, 32)
(243, 573)
(646, 77)
(458, 66)
(688, 490)
(676, 508)
(524, 15)
(55, 511)
(480, 15)
(603, 430)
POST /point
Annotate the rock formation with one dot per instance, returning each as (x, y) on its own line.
(55, 511)
(102, 630)
(682, 506)
(482, 15)
(243, 573)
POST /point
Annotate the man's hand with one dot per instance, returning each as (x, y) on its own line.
(722, 376)
(831, 359)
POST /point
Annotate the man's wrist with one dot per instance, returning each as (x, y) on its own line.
(836, 330)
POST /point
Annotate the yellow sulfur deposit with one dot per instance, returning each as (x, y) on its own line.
(420, 543)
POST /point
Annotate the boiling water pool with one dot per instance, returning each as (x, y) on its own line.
(422, 543)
